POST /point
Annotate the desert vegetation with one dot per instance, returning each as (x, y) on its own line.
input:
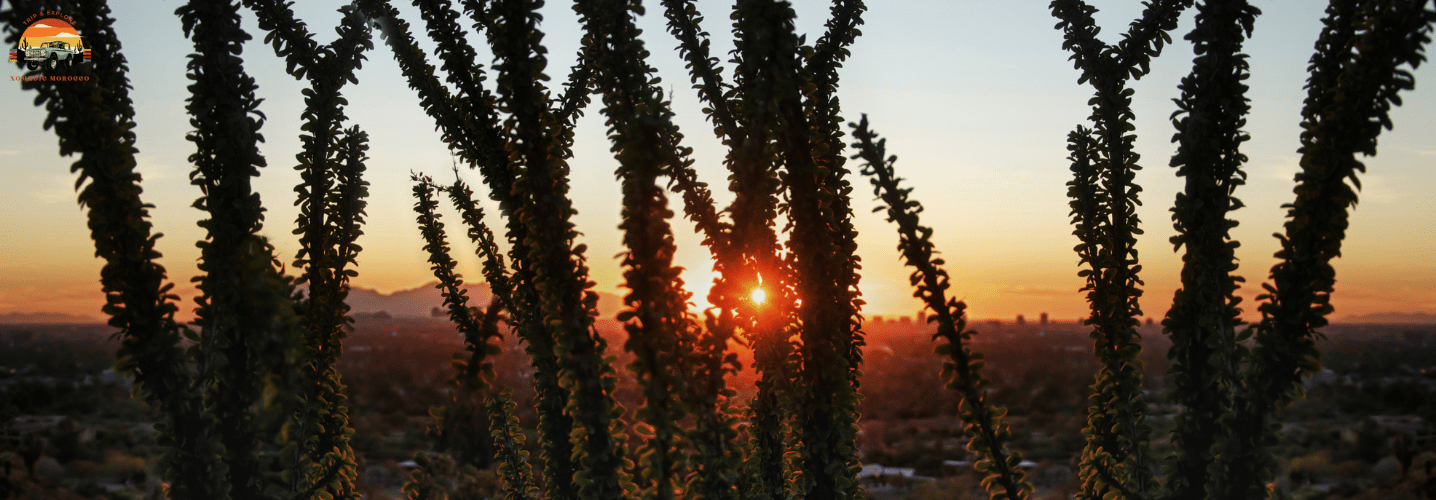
(249, 400)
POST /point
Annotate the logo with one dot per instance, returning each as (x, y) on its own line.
(51, 44)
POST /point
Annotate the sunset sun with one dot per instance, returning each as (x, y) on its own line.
(758, 295)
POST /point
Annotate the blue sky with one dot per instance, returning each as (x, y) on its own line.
(975, 98)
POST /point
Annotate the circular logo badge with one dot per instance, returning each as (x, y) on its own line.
(51, 44)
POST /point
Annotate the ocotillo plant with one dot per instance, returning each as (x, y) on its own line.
(1357, 73)
(746, 254)
(661, 331)
(514, 468)
(250, 340)
(454, 429)
(1214, 459)
(534, 131)
(1117, 452)
(137, 291)
(248, 331)
(476, 136)
(983, 421)
(1223, 435)
(331, 213)
(462, 427)
(1204, 316)
(770, 65)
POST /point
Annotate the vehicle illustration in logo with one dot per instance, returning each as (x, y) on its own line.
(52, 44)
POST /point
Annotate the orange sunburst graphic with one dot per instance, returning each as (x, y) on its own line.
(51, 32)
(47, 30)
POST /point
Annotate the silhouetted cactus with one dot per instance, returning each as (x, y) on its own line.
(138, 296)
(648, 147)
(248, 328)
(514, 469)
(963, 368)
(453, 429)
(1223, 435)
(1116, 456)
(249, 336)
(331, 213)
(1357, 73)
(1204, 316)
(661, 332)
(780, 120)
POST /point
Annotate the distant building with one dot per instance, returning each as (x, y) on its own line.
(1021, 321)
(1325, 376)
(905, 320)
(1042, 320)
(922, 317)
(109, 376)
(878, 320)
(1403, 424)
(26, 424)
(376, 315)
(873, 470)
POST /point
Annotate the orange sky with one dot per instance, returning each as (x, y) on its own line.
(49, 29)
(976, 100)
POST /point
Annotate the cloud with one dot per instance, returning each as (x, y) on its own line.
(151, 170)
(1376, 189)
(67, 34)
(42, 25)
(60, 188)
(56, 189)
(1276, 167)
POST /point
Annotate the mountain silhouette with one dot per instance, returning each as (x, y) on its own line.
(47, 318)
(1412, 318)
(418, 301)
(421, 300)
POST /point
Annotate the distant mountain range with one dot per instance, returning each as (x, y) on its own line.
(46, 318)
(412, 302)
(415, 302)
(421, 301)
(1423, 318)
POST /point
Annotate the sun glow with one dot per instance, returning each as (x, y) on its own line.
(758, 295)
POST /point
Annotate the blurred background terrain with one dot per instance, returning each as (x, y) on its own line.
(1364, 429)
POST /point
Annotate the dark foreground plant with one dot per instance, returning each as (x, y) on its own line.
(1228, 393)
(252, 408)
(963, 368)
